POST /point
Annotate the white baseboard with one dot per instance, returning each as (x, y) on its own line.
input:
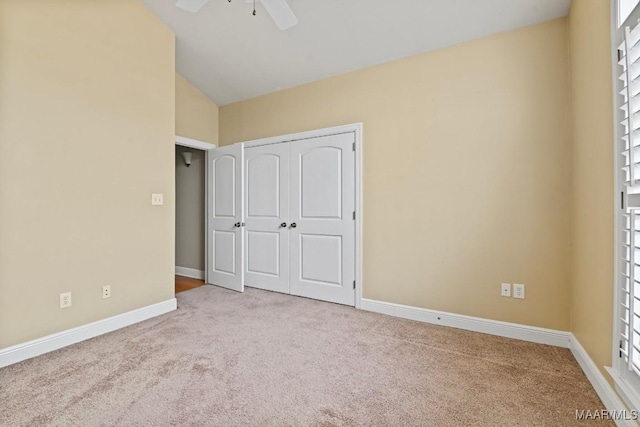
(476, 324)
(190, 272)
(610, 399)
(27, 350)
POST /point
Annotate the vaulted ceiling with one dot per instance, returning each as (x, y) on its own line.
(231, 55)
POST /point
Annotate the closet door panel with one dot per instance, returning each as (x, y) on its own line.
(224, 217)
(322, 230)
(267, 208)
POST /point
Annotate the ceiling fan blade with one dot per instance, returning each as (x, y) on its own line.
(191, 5)
(281, 13)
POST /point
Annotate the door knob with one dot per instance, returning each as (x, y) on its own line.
(293, 225)
(237, 225)
(283, 225)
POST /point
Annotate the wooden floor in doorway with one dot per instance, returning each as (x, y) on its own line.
(187, 283)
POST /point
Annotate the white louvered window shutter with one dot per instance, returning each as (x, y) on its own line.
(628, 181)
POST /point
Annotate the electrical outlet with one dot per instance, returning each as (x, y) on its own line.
(157, 199)
(106, 291)
(518, 290)
(65, 300)
(506, 290)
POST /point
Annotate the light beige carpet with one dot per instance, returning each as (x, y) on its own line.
(266, 359)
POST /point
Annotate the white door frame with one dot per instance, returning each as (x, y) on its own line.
(183, 141)
(357, 129)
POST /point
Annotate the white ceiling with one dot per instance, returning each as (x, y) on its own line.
(231, 55)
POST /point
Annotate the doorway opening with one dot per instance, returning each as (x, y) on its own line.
(190, 218)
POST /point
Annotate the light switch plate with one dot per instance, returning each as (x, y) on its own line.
(157, 199)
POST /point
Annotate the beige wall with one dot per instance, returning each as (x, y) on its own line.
(196, 115)
(593, 197)
(190, 208)
(86, 135)
(467, 171)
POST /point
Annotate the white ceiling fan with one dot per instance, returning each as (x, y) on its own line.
(279, 10)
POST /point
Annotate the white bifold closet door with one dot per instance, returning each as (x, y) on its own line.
(224, 209)
(300, 226)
